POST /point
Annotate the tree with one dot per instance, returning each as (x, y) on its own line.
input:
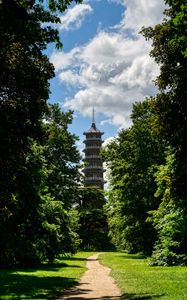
(132, 159)
(93, 229)
(168, 219)
(60, 233)
(170, 109)
(40, 226)
(169, 51)
(24, 91)
(62, 156)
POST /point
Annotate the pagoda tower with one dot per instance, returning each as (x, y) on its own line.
(93, 170)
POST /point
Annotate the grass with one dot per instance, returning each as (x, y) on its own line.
(137, 280)
(43, 282)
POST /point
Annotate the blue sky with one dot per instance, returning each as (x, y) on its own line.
(104, 62)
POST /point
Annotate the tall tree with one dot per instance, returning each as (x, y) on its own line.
(133, 158)
(170, 52)
(24, 90)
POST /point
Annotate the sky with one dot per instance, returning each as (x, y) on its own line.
(104, 62)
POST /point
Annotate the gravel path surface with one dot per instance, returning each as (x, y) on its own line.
(95, 284)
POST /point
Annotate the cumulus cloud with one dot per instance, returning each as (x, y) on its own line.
(75, 16)
(113, 70)
(139, 13)
(108, 141)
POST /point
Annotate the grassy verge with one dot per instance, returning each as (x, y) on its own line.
(137, 280)
(44, 282)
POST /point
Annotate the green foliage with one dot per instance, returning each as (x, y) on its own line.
(147, 199)
(132, 158)
(169, 219)
(23, 221)
(34, 223)
(58, 231)
(62, 156)
(74, 226)
(169, 223)
(178, 24)
(170, 51)
(40, 227)
(93, 224)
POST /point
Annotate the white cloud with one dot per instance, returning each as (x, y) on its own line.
(139, 13)
(108, 141)
(110, 80)
(63, 60)
(71, 78)
(113, 70)
(106, 121)
(75, 16)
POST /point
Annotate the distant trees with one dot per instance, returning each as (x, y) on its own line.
(93, 228)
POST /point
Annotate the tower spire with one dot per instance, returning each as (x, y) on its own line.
(93, 115)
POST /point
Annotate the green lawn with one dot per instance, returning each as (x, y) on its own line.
(137, 280)
(45, 282)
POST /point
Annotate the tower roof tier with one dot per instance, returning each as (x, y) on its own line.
(88, 168)
(89, 139)
(91, 147)
(93, 129)
(92, 157)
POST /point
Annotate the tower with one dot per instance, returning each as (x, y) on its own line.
(93, 171)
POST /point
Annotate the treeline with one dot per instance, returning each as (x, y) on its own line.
(43, 211)
(147, 200)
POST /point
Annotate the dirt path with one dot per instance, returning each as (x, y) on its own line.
(95, 284)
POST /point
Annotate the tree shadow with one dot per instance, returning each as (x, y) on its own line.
(74, 293)
(133, 256)
(144, 296)
(72, 258)
(18, 286)
(48, 267)
(96, 298)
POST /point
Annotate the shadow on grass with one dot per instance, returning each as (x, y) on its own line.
(145, 296)
(125, 297)
(80, 293)
(133, 256)
(48, 267)
(72, 258)
(82, 259)
(18, 286)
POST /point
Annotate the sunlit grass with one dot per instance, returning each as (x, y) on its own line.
(43, 282)
(137, 280)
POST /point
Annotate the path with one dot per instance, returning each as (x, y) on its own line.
(95, 284)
